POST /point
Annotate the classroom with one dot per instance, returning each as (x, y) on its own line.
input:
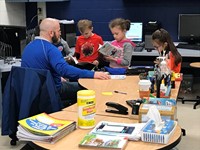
(19, 24)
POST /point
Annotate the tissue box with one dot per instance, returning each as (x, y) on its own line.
(166, 112)
(162, 136)
(162, 101)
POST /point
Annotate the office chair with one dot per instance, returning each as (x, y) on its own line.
(27, 92)
(197, 100)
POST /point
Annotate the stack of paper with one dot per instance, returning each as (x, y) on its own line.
(44, 128)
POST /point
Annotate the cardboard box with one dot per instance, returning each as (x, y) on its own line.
(166, 112)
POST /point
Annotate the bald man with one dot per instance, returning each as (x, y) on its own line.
(42, 54)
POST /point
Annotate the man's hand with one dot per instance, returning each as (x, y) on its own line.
(101, 75)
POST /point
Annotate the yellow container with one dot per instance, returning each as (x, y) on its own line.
(86, 109)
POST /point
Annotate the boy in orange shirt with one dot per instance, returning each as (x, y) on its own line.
(87, 43)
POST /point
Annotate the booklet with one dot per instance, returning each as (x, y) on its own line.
(131, 131)
(104, 141)
(108, 49)
(44, 128)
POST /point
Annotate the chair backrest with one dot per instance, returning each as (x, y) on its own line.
(27, 92)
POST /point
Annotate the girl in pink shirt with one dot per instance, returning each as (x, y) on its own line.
(118, 27)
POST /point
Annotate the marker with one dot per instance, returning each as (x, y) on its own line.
(120, 92)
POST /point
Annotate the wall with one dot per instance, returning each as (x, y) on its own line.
(102, 11)
(12, 14)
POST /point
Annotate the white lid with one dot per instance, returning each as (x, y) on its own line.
(145, 82)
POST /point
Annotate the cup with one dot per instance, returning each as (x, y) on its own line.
(144, 88)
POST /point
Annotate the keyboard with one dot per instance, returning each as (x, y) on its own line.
(189, 46)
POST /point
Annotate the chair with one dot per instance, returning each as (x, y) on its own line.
(27, 92)
(196, 66)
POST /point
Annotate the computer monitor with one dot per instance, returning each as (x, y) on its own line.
(189, 28)
(135, 32)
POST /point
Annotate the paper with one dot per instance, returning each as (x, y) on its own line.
(107, 93)
(154, 115)
(118, 77)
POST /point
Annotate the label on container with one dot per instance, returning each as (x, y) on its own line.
(86, 109)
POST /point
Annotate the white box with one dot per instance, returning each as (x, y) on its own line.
(157, 137)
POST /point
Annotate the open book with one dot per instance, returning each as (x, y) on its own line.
(44, 128)
(81, 65)
(108, 49)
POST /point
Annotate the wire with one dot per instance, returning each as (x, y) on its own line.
(32, 21)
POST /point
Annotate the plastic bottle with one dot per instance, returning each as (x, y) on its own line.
(86, 109)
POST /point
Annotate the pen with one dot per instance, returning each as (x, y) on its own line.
(120, 92)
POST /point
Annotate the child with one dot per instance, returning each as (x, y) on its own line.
(87, 44)
(63, 47)
(162, 41)
(118, 27)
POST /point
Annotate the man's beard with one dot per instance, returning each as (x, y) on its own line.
(54, 38)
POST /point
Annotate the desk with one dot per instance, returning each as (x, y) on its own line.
(5, 68)
(128, 85)
(71, 141)
(183, 52)
(195, 64)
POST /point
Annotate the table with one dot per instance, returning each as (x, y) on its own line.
(128, 85)
(71, 141)
(6, 68)
(195, 64)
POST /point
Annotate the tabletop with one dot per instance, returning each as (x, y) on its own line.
(195, 64)
(105, 93)
(72, 140)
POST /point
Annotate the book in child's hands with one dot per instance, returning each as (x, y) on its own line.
(108, 49)
(104, 141)
(44, 128)
(81, 65)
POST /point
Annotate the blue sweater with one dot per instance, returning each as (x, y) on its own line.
(41, 54)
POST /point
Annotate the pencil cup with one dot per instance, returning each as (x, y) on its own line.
(86, 109)
(144, 88)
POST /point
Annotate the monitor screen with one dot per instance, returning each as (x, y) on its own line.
(135, 32)
(189, 28)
